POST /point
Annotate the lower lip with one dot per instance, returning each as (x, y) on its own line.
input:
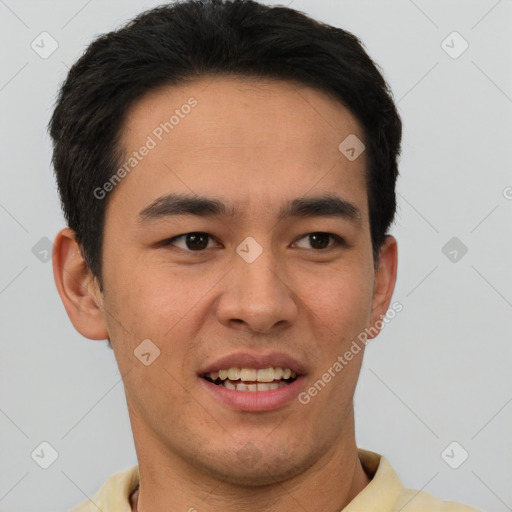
(255, 400)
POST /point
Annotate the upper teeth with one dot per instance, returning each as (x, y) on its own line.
(253, 374)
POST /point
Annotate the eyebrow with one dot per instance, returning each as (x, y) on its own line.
(326, 205)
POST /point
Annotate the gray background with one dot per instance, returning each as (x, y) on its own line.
(438, 373)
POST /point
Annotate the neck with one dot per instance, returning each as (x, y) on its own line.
(171, 485)
(359, 482)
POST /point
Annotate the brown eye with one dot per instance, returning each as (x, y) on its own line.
(320, 240)
(194, 241)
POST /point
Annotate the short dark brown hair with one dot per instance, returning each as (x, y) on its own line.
(181, 41)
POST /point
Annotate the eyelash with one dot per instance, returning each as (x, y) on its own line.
(339, 241)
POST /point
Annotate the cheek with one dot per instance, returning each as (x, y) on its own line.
(163, 305)
(143, 291)
(340, 298)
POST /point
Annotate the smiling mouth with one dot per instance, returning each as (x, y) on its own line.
(252, 379)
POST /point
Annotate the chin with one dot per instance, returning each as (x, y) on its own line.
(254, 469)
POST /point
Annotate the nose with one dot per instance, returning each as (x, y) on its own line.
(257, 296)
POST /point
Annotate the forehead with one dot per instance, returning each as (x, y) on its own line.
(240, 136)
(255, 104)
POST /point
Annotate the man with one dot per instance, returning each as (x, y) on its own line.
(227, 173)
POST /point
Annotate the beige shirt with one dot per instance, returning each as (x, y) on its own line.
(385, 492)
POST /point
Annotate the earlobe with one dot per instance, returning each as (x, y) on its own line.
(385, 280)
(78, 291)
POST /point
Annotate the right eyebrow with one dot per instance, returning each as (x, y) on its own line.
(183, 204)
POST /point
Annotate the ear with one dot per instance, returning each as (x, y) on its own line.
(77, 288)
(384, 286)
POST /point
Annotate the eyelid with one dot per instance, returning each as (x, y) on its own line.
(169, 241)
(338, 240)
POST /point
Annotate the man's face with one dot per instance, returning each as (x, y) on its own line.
(255, 146)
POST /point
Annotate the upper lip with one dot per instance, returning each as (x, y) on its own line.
(254, 360)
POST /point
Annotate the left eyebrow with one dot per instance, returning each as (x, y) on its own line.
(326, 205)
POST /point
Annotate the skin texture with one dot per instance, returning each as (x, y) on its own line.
(256, 144)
